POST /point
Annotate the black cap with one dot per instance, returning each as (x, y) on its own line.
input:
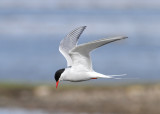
(58, 74)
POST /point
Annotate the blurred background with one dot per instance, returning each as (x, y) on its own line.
(30, 32)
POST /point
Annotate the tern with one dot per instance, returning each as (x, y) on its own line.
(79, 64)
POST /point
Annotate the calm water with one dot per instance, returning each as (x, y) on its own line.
(30, 36)
(20, 111)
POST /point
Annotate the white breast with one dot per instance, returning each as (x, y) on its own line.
(75, 76)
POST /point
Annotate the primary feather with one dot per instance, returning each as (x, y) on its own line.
(69, 42)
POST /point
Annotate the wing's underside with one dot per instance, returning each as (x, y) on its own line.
(80, 54)
(88, 47)
(69, 42)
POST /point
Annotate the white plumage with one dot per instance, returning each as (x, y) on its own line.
(78, 57)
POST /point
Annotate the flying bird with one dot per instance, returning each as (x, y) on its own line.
(79, 64)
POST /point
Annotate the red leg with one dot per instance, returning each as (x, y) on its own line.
(93, 78)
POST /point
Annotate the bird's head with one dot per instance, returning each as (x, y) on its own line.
(58, 75)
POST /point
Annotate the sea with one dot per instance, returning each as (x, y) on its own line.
(30, 33)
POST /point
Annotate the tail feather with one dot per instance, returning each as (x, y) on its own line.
(98, 75)
(115, 76)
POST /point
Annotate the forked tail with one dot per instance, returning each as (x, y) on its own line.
(116, 76)
(98, 75)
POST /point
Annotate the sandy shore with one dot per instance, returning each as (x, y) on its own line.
(131, 99)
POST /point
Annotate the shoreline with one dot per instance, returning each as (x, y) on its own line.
(101, 99)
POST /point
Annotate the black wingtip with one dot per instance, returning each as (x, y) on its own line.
(82, 26)
(123, 37)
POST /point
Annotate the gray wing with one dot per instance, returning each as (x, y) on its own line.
(69, 42)
(80, 54)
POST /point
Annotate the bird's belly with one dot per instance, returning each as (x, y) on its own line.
(76, 77)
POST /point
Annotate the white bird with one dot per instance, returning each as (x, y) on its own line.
(78, 58)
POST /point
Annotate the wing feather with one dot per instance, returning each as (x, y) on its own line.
(69, 42)
(80, 54)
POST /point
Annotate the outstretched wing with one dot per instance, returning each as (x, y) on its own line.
(80, 54)
(69, 42)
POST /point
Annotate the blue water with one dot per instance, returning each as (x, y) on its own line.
(20, 111)
(30, 36)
